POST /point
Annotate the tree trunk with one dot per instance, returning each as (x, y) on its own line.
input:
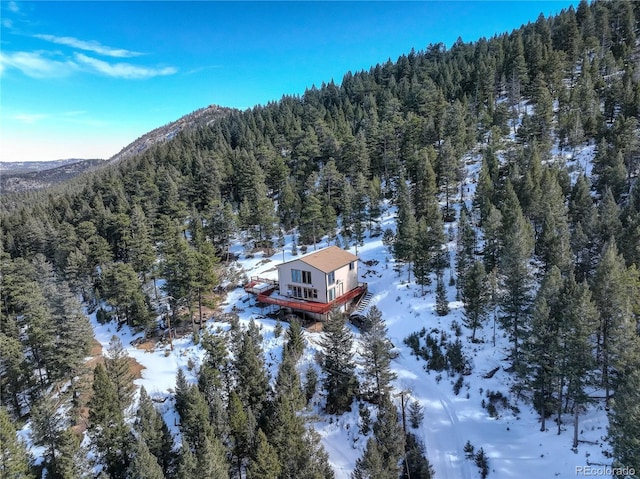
(543, 422)
(575, 427)
(560, 387)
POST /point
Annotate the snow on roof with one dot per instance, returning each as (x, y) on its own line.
(327, 259)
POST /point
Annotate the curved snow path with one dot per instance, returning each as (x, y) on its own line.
(446, 446)
(440, 429)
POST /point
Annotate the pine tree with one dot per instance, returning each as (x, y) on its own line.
(442, 303)
(416, 414)
(140, 252)
(311, 220)
(264, 464)
(583, 218)
(577, 337)
(384, 450)
(295, 340)
(340, 382)
(376, 355)
(117, 364)
(407, 230)
(221, 226)
(423, 256)
(449, 170)
(72, 462)
(74, 333)
(609, 224)
(553, 246)
(465, 247)
(315, 463)
(154, 431)
(288, 382)
(359, 205)
(615, 294)
(211, 459)
(374, 198)
(187, 464)
(204, 274)
(286, 429)
(241, 431)
(310, 383)
(415, 463)
(182, 392)
(252, 380)
(16, 372)
(143, 463)
(492, 238)
(14, 458)
(47, 424)
(485, 188)
(194, 418)
(482, 462)
(541, 348)
(475, 297)
(40, 339)
(370, 464)
(107, 428)
(214, 375)
(122, 289)
(624, 425)
(515, 274)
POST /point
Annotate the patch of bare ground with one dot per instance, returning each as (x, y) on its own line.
(85, 382)
(315, 327)
(148, 345)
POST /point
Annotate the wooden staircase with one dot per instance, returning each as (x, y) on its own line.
(363, 305)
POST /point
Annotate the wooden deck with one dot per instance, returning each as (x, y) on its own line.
(265, 296)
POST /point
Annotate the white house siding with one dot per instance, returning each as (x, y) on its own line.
(346, 279)
(318, 279)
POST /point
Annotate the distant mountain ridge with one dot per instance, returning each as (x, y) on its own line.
(17, 176)
(201, 117)
(41, 174)
(18, 167)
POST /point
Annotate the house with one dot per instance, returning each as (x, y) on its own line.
(313, 284)
(321, 277)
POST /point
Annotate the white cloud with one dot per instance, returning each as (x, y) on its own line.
(41, 65)
(91, 46)
(29, 118)
(36, 64)
(13, 6)
(123, 70)
(74, 117)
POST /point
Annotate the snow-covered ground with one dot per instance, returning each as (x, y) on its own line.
(513, 442)
(511, 439)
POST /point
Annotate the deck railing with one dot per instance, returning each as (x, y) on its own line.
(310, 306)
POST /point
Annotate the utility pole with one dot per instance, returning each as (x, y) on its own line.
(404, 427)
(404, 418)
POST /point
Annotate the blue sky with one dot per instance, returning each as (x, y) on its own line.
(84, 79)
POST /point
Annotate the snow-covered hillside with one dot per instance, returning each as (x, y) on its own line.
(507, 429)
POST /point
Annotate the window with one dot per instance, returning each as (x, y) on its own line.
(306, 277)
(310, 293)
(351, 265)
(303, 293)
(331, 278)
(296, 291)
(332, 294)
(295, 276)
